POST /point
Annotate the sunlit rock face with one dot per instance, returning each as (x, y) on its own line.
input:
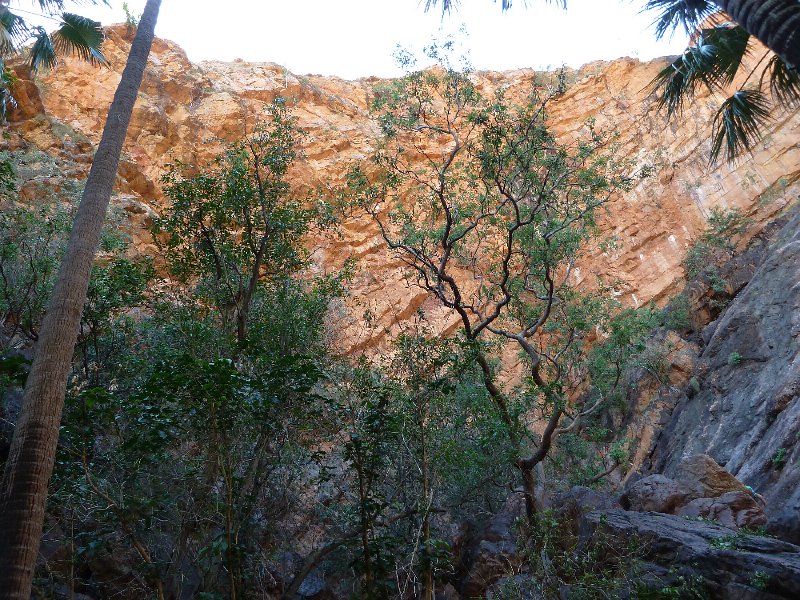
(185, 110)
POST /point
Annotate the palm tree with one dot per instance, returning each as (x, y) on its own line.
(719, 51)
(720, 44)
(775, 23)
(76, 35)
(23, 488)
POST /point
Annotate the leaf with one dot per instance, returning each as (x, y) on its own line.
(687, 14)
(43, 53)
(57, 6)
(449, 5)
(80, 36)
(713, 61)
(13, 32)
(784, 82)
(737, 123)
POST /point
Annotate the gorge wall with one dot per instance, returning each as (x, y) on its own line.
(185, 110)
(745, 413)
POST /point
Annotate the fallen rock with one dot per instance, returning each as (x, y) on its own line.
(708, 478)
(658, 494)
(493, 554)
(518, 587)
(734, 510)
(448, 592)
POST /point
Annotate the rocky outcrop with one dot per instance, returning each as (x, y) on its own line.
(701, 489)
(745, 413)
(492, 553)
(722, 563)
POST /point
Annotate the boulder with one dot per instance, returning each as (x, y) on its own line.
(517, 587)
(709, 479)
(448, 592)
(493, 553)
(733, 509)
(658, 494)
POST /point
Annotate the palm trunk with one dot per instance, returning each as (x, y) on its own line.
(775, 22)
(23, 489)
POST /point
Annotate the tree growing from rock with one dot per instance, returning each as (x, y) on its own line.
(488, 213)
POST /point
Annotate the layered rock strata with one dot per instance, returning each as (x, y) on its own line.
(186, 111)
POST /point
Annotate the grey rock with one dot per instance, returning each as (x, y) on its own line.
(493, 553)
(517, 587)
(570, 506)
(734, 510)
(657, 493)
(448, 592)
(313, 585)
(747, 411)
(732, 566)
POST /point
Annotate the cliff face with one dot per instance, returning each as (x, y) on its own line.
(185, 109)
(745, 411)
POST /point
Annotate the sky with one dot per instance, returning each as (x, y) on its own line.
(358, 38)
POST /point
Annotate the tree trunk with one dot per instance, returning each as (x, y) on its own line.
(776, 23)
(23, 489)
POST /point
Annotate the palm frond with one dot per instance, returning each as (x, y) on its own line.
(13, 32)
(687, 14)
(738, 122)
(728, 46)
(43, 54)
(713, 61)
(7, 80)
(80, 36)
(784, 82)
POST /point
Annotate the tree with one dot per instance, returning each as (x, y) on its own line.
(488, 214)
(23, 489)
(721, 31)
(234, 226)
(76, 35)
(719, 53)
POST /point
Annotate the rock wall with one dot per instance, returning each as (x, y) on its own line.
(185, 109)
(745, 410)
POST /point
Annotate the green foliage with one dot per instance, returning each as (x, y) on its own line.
(760, 580)
(233, 225)
(490, 222)
(174, 429)
(713, 61)
(734, 358)
(8, 183)
(738, 123)
(31, 245)
(677, 315)
(76, 35)
(716, 55)
(131, 19)
(780, 458)
(624, 337)
(724, 228)
(7, 81)
(603, 566)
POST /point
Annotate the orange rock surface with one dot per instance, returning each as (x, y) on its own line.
(185, 109)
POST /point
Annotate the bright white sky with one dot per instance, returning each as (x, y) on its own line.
(356, 38)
